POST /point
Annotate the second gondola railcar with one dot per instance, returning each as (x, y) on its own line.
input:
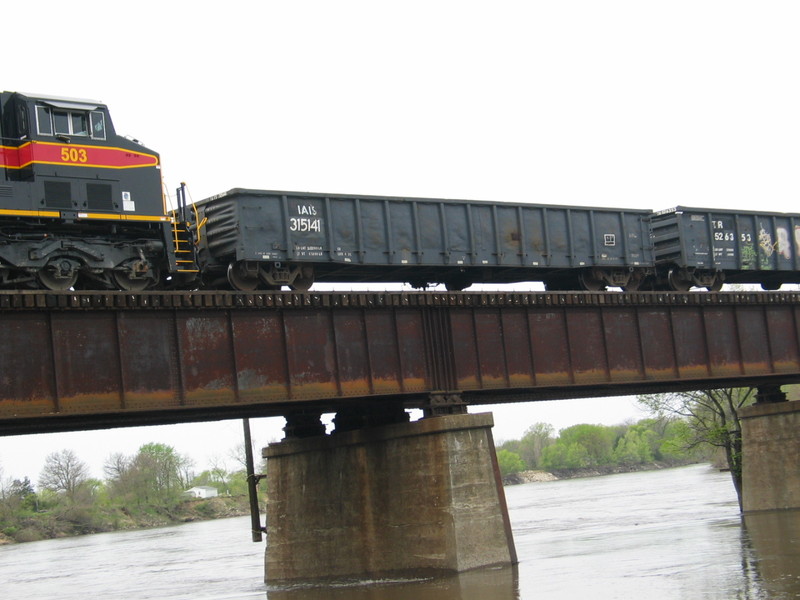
(700, 247)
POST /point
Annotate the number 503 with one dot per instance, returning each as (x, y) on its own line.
(74, 155)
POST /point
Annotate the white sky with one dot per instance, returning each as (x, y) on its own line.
(615, 103)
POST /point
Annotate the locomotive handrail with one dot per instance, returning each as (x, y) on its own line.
(201, 223)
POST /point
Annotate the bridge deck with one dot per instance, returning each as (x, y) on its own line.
(84, 360)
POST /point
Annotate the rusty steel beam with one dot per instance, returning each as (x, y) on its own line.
(88, 360)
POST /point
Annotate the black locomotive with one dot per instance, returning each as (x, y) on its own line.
(83, 208)
(80, 206)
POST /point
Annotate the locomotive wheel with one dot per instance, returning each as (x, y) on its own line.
(58, 277)
(49, 280)
(125, 282)
(240, 280)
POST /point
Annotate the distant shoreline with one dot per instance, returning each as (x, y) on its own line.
(536, 476)
(45, 525)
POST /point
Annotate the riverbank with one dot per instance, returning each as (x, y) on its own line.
(72, 521)
(599, 471)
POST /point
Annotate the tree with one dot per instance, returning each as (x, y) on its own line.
(20, 488)
(63, 472)
(711, 418)
(4, 485)
(156, 476)
(509, 462)
(598, 440)
(635, 447)
(18, 495)
(535, 439)
(565, 455)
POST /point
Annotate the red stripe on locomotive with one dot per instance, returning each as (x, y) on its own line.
(73, 155)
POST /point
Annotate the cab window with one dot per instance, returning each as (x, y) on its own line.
(61, 122)
(44, 123)
(56, 121)
(98, 123)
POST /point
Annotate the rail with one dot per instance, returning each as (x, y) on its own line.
(34, 300)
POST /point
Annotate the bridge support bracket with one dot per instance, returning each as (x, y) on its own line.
(445, 403)
(767, 394)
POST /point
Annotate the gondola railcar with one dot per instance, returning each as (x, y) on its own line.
(266, 239)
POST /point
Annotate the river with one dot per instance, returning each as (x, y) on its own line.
(671, 534)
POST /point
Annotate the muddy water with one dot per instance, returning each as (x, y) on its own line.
(658, 535)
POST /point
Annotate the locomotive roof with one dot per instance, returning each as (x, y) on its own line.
(64, 101)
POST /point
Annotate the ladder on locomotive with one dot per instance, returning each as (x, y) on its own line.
(183, 238)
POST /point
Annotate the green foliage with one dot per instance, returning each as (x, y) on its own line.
(143, 490)
(237, 484)
(596, 440)
(599, 446)
(536, 438)
(636, 446)
(156, 476)
(510, 462)
(565, 455)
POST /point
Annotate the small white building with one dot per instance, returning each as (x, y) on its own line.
(202, 491)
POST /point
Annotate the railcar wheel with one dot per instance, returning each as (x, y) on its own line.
(717, 285)
(636, 281)
(591, 284)
(304, 279)
(457, 284)
(240, 279)
(632, 286)
(302, 284)
(58, 275)
(677, 282)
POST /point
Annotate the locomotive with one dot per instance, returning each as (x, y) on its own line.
(82, 207)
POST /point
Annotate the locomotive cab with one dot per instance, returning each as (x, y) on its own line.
(80, 206)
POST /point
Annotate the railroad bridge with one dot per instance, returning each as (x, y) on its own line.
(83, 360)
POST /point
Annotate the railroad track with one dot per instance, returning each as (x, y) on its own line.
(38, 300)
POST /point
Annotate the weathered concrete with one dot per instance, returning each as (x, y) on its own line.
(771, 455)
(774, 538)
(406, 497)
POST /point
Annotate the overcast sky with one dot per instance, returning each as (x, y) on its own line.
(614, 103)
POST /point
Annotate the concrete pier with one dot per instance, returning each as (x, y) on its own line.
(771, 455)
(401, 498)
